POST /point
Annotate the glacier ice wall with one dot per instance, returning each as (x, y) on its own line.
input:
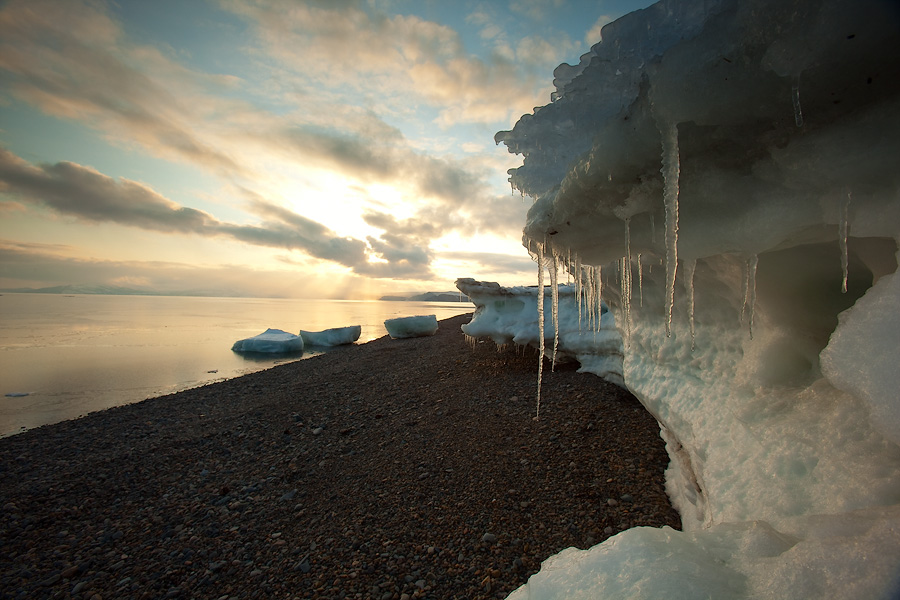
(735, 164)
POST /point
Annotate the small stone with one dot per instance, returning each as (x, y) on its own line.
(627, 498)
(612, 502)
(607, 530)
(79, 587)
(317, 431)
(70, 572)
(489, 538)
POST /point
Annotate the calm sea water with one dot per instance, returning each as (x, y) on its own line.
(73, 355)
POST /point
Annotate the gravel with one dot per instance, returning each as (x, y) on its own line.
(396, 469)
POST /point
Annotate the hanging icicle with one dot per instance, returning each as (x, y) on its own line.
(598, 277)
(626, 277)
(540, 316)
(578, 286)
(745, 275)
(554, 305)
(689, 269)
(751, 290)
(843, 233)
(795, 100)
(589, 296)
(640, 280)
(671, 172)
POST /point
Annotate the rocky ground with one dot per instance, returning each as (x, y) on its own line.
(396, 469)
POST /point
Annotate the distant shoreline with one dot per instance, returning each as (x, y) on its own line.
(69, 290)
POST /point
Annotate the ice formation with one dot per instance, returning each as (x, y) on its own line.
(407, 327)
(510, 316)
(337, 336)
(765, 338)
(271, 341)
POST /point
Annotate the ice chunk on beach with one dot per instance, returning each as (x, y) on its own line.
(509, 315)
(336, 336)
(408, 327)
(271, 341)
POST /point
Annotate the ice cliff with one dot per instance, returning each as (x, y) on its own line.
(725, 174)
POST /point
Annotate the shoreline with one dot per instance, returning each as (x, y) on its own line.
(395, 469)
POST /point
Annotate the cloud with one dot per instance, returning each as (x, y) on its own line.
(492, 263)
(80, 191)
(382, 155)
(71, 60)
(86, 194)
(396, 62)
(331, 74)
(535, 9)
(593, 34)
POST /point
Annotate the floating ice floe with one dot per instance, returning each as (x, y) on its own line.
(407, 327)
(271, 341)
(336, 336)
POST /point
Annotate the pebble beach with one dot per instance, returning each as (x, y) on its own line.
(394, 469)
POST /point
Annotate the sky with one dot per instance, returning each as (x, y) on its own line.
(273, 148)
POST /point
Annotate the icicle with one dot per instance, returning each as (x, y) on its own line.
(540, 316)
(744, 287)
(586, 292)
(652, 229)
(843, 232)
(689, 269)
(626, 277)
(578, 288)
(751, 289)
(598, 297)
(554, 295)
(671, 173)
(795, 98)
(640, 280)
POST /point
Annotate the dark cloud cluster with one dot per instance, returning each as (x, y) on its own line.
(83, 193)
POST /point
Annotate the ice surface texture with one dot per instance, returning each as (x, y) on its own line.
(271, 341)
(337, 336)
(407, 327)
(741, 158)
